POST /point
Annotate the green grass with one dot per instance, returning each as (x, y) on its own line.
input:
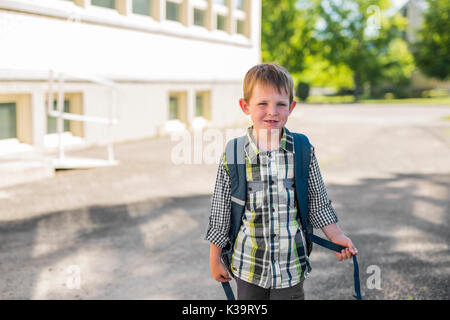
(349, 99)
(329, 99)
(431, 101)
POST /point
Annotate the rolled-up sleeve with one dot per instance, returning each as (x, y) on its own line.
(321, 212)
(219, 220)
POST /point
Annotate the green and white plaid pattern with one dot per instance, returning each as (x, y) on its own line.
(265, 251)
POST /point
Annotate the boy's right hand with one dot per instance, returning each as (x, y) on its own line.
(219, 271)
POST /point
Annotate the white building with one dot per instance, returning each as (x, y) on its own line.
(173, 62)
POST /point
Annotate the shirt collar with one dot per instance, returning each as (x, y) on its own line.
(252, 150)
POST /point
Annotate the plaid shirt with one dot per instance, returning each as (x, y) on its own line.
(266, 248)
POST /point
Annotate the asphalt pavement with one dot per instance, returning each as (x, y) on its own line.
(135, 231)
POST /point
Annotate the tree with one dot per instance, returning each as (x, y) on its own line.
(286, 32)
(360, 35)
(431, 51)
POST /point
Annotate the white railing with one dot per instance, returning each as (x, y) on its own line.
(60, 115)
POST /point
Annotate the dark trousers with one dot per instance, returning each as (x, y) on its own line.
(248, 291)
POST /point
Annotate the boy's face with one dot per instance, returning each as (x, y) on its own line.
(267, 108)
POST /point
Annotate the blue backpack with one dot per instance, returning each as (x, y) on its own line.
(235, 157)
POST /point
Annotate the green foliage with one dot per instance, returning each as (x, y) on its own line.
(286, 33)
(397, 64)
(431, 52)
(389, 99)
(338, 44)
(360, 35)
(395, 68)
(319, 72)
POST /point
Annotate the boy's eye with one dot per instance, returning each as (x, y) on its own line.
(264, 103)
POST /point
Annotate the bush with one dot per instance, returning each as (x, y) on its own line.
(389, 95)
(302, 91)
(435, 93)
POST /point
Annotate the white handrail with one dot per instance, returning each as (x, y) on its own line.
(60, 115)
(81, 117)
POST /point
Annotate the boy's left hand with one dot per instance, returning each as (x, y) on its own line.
(350, 249)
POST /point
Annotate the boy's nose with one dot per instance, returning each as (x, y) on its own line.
(272, 110)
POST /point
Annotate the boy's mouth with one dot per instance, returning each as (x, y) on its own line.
(271, 121)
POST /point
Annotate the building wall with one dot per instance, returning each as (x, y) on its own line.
(414, 13)
(147, 58)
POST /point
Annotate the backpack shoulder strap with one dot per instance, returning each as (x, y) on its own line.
(302, 150)
(235, 162)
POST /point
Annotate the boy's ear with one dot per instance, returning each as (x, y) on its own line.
(244, 106)
(292, 106)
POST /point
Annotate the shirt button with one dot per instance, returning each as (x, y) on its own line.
(272, 182)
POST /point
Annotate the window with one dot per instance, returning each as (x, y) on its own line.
(52, 121)
(202, 104)
(199, 17)
(142, 7)
(221, 22)
(199, 103)
(240, 26)
(8, 120)
(240, 4)
(104, 3)
(173, 107)
(172, 11)
(178, 106)
(16, 117)
(222, 2)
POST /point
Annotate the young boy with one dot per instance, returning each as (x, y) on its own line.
(265, 261)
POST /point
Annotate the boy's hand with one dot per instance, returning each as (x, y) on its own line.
(350, 249)
(219, 271)
(335, 235)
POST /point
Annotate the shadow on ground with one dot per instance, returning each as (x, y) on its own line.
(155, 250)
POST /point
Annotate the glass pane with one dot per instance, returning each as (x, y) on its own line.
(104, 3)
(8, 121)
(220, 22)
(240, 4)
(172, 11)
(199, 106)
(141, 7)
(173, 108)
(223, 2)
(52, 121)
(240, 26)
(199, 17)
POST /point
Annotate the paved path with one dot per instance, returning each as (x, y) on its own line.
(135, 231)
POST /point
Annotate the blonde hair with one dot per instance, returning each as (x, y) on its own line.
(268, 74)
